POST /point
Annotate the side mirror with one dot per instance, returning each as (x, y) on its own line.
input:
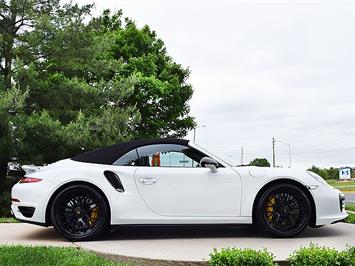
(209, 163)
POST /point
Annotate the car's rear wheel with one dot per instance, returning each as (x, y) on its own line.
(79, 213)
(283, 210)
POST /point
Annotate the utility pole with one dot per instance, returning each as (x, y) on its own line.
(273, 152)
(241, 156)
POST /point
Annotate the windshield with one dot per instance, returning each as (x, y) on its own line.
(218, 153)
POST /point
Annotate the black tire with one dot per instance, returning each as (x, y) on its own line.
(80, 213)
(283, 210)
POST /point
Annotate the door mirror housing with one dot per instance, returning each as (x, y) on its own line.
(209, 163)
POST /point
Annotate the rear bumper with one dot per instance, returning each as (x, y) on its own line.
(26, 211)
(32, 222)
(33, 199)
(38, 215)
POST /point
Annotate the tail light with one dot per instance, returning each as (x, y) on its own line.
(29, 180)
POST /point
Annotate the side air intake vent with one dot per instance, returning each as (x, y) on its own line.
(114, 180)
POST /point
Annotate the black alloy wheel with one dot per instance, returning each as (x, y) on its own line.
(79, 213)
(283, 210)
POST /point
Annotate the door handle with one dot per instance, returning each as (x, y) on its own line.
(147, 181)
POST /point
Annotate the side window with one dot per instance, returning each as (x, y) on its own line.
(129, 159)
(168, 155)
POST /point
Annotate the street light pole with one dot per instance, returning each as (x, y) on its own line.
(273, 152)
(195, 129)
(289, 152)
(241, 156)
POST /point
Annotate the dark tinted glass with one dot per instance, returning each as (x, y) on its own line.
(168, 155)
(129, 159)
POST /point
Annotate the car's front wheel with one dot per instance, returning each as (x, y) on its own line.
(283, 210)
(79, 213)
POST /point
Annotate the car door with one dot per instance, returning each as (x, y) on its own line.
(172, 183)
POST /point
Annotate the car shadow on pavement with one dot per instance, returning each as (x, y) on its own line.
(44, 234)
(184, 232)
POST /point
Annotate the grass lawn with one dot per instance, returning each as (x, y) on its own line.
(343, 186)
(350, 206)
(51, 256)
(351, 218)
(8, 220)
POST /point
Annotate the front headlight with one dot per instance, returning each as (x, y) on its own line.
(317, 177)
(342, 201)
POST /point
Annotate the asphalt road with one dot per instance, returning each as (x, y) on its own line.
(350, 197)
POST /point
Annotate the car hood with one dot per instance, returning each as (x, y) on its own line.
(270, 172)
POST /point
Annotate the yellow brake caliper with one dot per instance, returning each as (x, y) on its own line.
(93, 216)
(269, 207)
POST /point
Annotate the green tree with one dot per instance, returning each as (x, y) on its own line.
(317, 170)
(162, 93)
(49, 63)
(11, 105)
(262, 162)
(82, 85)
(326, 173)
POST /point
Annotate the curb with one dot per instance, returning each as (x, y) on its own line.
(158, 262)
(143, 261)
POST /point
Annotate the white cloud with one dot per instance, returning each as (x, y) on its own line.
(263, 69)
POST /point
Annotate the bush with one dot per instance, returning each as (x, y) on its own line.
(242, 257)
(5, 195)
(5, 204)
(322, 256)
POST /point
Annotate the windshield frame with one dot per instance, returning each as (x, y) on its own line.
(212, 155)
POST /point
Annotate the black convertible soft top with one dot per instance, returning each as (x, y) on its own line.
(108, 155)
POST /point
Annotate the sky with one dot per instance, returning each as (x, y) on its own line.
(263, 70)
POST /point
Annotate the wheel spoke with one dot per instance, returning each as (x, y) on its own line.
(77, 212)
(286, 212)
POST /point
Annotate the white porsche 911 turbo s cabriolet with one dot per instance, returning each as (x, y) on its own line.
(170, 182)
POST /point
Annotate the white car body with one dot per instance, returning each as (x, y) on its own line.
(169, 195)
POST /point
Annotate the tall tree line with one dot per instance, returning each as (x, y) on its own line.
(70, 82)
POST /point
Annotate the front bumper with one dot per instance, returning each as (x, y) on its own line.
(330, 205)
